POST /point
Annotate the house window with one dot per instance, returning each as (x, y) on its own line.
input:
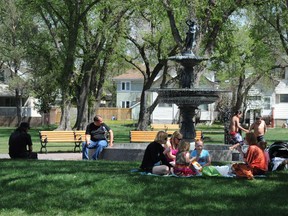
(2, 78)
(125, 104)
(125, 86)
(164, 105)
(254, 98)
(267, 103)
(283, 98)
(204, 107)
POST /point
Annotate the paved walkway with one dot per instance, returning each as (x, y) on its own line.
(52, 156)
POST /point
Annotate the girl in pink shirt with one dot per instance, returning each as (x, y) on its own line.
(171, 147)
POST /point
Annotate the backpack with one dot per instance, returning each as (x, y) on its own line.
(277, 151)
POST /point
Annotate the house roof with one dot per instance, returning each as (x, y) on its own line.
(132, 74)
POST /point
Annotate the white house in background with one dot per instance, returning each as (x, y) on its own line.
(129, 89)
(8, 101)
(269, 103)
(258, 104)
(279, 101)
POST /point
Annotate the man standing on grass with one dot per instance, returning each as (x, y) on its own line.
(235, 128)
(19, 141)
(96, 138)
(259, 128)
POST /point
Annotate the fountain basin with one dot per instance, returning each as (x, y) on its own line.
(135, 152)
(195, 96)
(188, 59)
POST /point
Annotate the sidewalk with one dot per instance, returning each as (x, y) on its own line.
(52, 156)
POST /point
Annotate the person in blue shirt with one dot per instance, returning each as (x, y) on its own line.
(200, 154)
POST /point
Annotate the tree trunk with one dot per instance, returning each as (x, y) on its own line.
(145, 117)
(82, 112)
(82, 101)
(239, 94)
(18, 106)
(65, 113)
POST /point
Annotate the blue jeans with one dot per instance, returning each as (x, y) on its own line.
(98, 145)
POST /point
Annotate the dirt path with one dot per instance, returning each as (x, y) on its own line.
(53, 156)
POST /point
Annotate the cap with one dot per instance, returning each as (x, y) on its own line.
(233, 133)
(24, 125)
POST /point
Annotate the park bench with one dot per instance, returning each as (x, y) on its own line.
(149, 136)
(158, 127)
(145, 136)
(172, 127)
(164, 127)
(198, 135)
(76, 137)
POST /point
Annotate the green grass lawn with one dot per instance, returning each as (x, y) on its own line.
(108, 188)
(212, 135)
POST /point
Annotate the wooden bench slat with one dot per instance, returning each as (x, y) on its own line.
(165, 127)
(172, 126)
(156, 127)
(149, 136)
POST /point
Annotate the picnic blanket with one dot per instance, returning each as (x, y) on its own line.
(209, 171)
(206, 171)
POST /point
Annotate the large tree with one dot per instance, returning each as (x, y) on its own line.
(271, 27)
(100, 39)
(242, 61)
(13, 29)
(63, 19)
(164, 24)
(149, 44)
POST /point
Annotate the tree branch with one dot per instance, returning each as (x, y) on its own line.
(142, 53)
(57, 14)
(173, 26)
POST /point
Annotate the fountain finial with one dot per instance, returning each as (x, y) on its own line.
(190, 36)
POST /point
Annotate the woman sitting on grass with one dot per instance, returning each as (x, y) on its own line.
(255, 157)
(171, 147)
(183, 162)
(154, 161)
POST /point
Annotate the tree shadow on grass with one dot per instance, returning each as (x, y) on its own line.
(108, 188)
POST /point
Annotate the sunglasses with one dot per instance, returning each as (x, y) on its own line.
(178, 138)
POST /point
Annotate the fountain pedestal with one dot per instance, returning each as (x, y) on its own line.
(187, 128)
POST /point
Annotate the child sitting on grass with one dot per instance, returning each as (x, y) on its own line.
(236, 141)
(183, 162)
(200, 155)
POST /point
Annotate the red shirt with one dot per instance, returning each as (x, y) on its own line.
(255, 157)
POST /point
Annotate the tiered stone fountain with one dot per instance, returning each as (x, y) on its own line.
(187, 97)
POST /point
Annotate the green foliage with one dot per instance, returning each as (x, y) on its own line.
(240, 55)
(55, 41)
